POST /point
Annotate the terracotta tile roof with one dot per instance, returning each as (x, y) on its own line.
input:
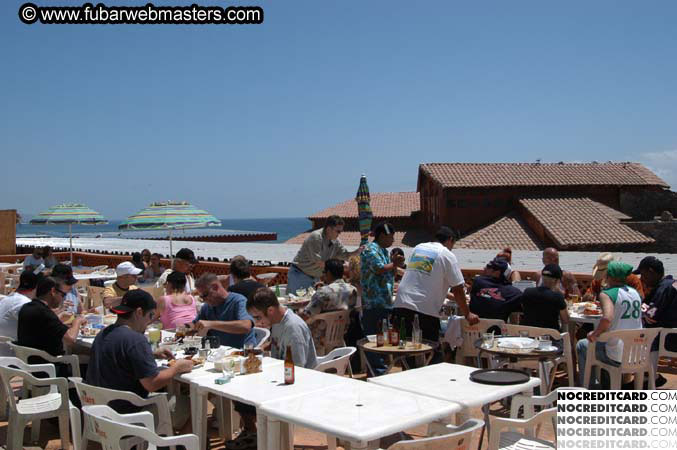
(383, 204)
(581, 221)
(352, 238)
(540, 174)
(508, 231)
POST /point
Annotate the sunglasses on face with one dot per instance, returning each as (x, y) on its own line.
(61, 292)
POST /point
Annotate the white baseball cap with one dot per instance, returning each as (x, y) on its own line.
(127, 268)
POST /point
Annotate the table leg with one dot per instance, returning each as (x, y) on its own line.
(545, 377)
(261, 430)
(273, 435)
(357, 445)
(198, 409)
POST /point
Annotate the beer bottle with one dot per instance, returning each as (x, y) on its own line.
(288, 367)
(394, 335)
(381, 336)
(277, 290)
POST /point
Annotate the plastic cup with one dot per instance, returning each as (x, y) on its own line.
(488, 340)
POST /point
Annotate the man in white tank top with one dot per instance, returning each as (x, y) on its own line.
(621, 310)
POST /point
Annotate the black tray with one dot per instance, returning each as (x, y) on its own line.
(500, 377)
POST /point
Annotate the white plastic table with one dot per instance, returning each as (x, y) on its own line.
(452, 382)
(256, 389)
(355, 411)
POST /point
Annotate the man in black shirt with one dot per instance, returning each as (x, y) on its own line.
(544, 306)
(243, 282)
(40, 328)
(121, 357)
(492, 296)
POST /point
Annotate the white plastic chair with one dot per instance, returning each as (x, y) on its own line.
(337, 324)
(111, 427)
(157, 403)
(444, 437)
(471, 333)
(94, 296)
(4, 341)
(566, 358)
(53, 403)
(262, 336)
(23, 353)
(503, 437)
(636, 357)
(338, 359)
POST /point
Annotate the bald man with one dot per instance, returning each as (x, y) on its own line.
(568, 285)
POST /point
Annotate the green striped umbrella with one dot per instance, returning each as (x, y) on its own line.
(69, 214)
(170, 216)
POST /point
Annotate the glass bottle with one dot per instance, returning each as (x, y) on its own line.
(288, 367)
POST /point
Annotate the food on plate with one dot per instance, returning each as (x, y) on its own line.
(90, 332)
(591, 312)
(196, 361)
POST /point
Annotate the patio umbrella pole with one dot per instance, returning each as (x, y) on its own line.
(171, 251)
(70, 240)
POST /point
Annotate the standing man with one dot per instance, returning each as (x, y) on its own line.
(12, 304)
(321, 245)
(224, 314)
(568, 285)
(621, 310)
(378, 277)
(431, 271)
(660, 305)
(121, 357)
(184, 261)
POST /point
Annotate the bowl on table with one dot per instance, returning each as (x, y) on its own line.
(371, 337)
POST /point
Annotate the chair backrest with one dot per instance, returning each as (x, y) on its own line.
(636, 346)
(111, 427)
(95, 395)
(94, 296)
(81, 286)
(337, 324)
(458, 439)
(338, 359)
(156, 292)
(23, 353)
(262, 335)
(3, 281)
(662, 351)
(12, 367)
(513, 330)
(472, 333)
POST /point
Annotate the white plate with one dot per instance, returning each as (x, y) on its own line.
(519, 343)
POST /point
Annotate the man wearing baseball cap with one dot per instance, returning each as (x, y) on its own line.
(72, 300)
(184, 261)
(127, 274)
(660, 305)
(121, 357)
(12, 304)
(492, 296)
(621, 310)
(544, 306)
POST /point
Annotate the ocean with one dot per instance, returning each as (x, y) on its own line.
(286, 228)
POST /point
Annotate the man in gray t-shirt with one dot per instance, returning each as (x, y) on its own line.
(287, 330)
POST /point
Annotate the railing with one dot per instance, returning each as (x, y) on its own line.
(223, 268)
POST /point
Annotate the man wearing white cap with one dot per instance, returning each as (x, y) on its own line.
(126, 277)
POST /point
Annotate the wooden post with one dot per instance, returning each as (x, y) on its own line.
(8, 232)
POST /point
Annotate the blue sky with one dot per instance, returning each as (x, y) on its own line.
(280, 119)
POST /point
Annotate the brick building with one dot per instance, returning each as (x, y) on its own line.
(569, 206)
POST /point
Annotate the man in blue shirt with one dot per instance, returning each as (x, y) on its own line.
(224, 314)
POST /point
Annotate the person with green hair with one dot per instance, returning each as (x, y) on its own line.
(621, 310)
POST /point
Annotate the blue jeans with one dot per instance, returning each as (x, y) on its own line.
(297, 279)
(372, 322)
(582, 352)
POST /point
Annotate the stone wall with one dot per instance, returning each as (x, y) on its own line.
(664, 231)
(644, 205)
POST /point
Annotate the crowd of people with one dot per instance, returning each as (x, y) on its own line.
(373, 283)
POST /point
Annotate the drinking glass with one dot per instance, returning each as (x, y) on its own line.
(154, 335)
(524, 333)
(416, 338)
(544, 342)
(488, 340)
